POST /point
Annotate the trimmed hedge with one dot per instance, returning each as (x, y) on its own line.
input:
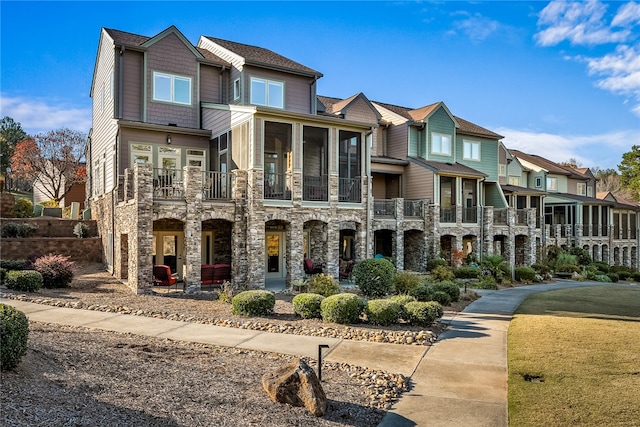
(423, 313)
(442, 297)
(307, 305)
(15, 264)
(23, 280)
(403, 300)
(374, 277)
(341, 308)
(452, 289)
(467, 272)
(253, 303)
(323, 284)
(14, 334)
(441, 273)
(525, 274)
(436, 262)
(422, 292)
(382, 312)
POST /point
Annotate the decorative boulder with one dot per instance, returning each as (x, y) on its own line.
(298, 385)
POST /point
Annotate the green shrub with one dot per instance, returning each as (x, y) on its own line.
(23, 208)
(566, 263)
(382, 312)
(341, 308)
(582, 255)
(81, 230)
(14, 333)
(441, 297)
(449, 287)
(404, 281)
(9, 230)
(307, 305)
(623, 272)
(525, 274)
(3, 273)
(24, 280)
(541, 269)
(253, 303)
(487, 282)
(402, 300)
(374, 277)
(13, 230)
(422, 292)
(436, 262)
(602, 278)
(423, 313)
(602, 266)
(466, 272)
(56, 270)
(323, 284)
(15, 264)
(636, 276)
(614, 277)
(441, 273)
(496, 265)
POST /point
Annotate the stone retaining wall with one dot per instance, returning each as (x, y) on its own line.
(79, 250)
(53, 227)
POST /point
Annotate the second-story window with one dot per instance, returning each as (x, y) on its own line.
(538, 182)
(440, 144)
(267, 92)
(471, 150)
(171, 88)
(236, 89)
(552, 184)
(514, 180)
(582, 189)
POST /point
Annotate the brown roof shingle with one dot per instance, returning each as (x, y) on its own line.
(255, 55)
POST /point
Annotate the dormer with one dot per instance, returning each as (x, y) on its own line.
(263, 78)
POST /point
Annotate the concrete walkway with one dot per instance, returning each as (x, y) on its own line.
(460, 381)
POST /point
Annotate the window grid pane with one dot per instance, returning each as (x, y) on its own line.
(162, 88)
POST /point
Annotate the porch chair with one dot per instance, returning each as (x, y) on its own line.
(310, 268)
(345, 273)
(162, 276)
(206, 274)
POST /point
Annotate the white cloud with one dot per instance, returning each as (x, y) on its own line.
(36, 115)
(603, 150)
(476, 27)
(582, 23)
(628, 14)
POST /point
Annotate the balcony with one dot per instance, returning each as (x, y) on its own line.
(349, 190)
(448, 214)
(168, 184)
(414, 208)
(315, 188)
(521, 217)
(277, 186)
(470, 215)
(382, 208)
(216, 185)
(500, 216)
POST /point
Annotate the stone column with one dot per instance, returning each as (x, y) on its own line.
(193, 226)
(333, 245)
(239, 257)
(140, 251)
(255, 215)
(487, 235)
(399, 240)
(295, 253)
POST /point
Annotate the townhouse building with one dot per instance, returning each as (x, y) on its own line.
(223, 153)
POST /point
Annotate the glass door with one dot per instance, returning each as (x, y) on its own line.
(274, 255)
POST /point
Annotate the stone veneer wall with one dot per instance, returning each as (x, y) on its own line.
(79, 250)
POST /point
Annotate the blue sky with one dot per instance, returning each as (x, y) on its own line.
(558, 79)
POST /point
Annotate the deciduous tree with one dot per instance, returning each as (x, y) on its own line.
(54, 159)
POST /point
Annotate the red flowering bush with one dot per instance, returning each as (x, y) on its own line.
(56, 270)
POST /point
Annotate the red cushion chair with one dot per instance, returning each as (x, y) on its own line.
(206, 274)
(162, 276)
(221, 273)
(310, 268)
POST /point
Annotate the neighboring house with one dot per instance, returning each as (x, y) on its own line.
(223, 153)
(44, 188)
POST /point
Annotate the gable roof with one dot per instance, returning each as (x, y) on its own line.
(456, 168)
(547, 165)
(340, 106)
(262, 57)
(469, 128)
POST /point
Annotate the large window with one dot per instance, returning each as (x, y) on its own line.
(471, 150)
(514, 180)
(171, 88)
(582, 189)
(267, 92)
(141, 153)
(552, 184)
(440, 144)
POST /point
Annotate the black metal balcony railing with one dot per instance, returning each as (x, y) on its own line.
(349, 190)
(384, 208)
(448, 214)
(216, 185)
(168, 184)
(470, 215)
(414, 208)
(521, 217)
(500, 216)
(315, 188)
(277, 186)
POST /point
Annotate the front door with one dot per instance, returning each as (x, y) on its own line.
(274, 251)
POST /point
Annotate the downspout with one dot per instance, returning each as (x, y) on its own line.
(221, 88)
(480, 200)
(114, 192)
(368, 144)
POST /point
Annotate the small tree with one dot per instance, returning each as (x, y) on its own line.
(630, 171)
(11, 133)
(54, 159)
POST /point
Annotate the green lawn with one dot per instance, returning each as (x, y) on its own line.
(574, 358)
